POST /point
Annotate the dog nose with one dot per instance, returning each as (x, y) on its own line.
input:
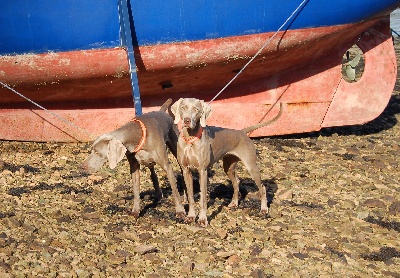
(186, 121)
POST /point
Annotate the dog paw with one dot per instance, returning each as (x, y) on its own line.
(233, 205)
(203, 222)
(189, 219)
(134, 214)
(264, 211)
(203, 219)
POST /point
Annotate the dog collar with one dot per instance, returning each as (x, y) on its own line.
(144, 133)
(191, 139)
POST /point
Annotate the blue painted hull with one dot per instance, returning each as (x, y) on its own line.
(40, 26)
(69, 57)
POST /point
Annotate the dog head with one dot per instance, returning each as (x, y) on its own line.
(105, 148)
(191, 111)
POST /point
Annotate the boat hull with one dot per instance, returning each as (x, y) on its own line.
(300, 68)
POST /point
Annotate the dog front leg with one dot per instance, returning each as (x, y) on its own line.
(135, 174)
(203, 197)
(187, 175)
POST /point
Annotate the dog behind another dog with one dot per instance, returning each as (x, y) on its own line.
(144, 141)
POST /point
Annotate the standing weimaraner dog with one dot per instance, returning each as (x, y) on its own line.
(200, 146)
(143, 140)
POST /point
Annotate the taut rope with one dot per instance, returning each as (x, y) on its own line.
(261, 49)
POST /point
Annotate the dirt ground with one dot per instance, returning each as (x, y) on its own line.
(335, 212)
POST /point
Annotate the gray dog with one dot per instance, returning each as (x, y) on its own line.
(200, 146)
(143, 140)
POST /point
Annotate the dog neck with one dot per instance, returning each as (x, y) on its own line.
(192, 135)
(135, 141)
(143, 138)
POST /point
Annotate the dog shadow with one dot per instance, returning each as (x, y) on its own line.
(248, 199)
(151, 203)
(220, 194)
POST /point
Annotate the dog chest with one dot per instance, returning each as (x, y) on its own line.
(189, 158)
(145, 158)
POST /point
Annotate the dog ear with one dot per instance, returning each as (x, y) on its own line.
(175, 111)
(206, 113)
(116, 152)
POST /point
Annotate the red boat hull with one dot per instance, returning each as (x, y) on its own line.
(301, 69)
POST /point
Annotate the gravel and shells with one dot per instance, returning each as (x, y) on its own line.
(335, 212)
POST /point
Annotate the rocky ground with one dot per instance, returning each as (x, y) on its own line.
(335, 212)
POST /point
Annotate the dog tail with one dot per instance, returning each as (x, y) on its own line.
(262, 124)
(166, 105)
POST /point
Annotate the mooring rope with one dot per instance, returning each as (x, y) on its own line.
(261, 49)
(48, 111)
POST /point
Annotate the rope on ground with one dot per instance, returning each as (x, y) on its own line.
(261, 49)
(48, 111)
